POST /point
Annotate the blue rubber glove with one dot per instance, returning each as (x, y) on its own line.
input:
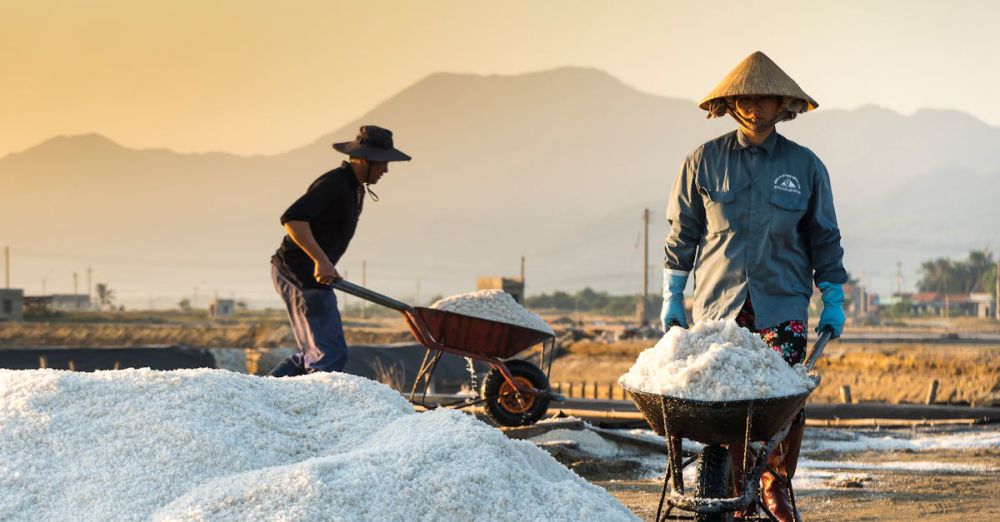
(833, 308)
(673, 298)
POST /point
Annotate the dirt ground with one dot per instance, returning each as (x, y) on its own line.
(898, 497)
(940, 495)
(893, 373)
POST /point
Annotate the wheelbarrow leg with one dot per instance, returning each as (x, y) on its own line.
(431, 358)
(739, 453)
(674, 475)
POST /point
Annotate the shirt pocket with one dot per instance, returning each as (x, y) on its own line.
(788, 209)
(719, 209)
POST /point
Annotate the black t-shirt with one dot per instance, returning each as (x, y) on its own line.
(331, 205)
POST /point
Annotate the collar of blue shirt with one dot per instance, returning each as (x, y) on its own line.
(742, 142)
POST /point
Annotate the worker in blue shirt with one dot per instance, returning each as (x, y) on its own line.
(752, 218)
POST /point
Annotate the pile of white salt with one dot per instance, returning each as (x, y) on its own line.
(495, 305)
(715, 361)
(216, 445)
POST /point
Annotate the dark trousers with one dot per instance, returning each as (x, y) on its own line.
(316, 324)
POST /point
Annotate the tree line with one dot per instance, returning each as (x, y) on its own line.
(590, 300)
(976, 273)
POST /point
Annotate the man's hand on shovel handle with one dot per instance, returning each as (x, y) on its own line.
(326, 273)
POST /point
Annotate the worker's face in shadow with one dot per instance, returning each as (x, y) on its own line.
(376, 169)
(758, 112)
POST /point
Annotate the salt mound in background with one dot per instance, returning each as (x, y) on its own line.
(495, 305)
(122, 445)
(715, 361)
(439, 465)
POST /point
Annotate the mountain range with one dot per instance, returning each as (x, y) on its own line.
(555, 165)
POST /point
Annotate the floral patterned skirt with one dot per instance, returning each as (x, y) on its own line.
(788, 338)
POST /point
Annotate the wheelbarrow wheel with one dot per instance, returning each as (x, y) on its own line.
(714, 480)
(507, 407)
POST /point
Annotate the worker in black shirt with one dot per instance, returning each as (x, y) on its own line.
(319, 226)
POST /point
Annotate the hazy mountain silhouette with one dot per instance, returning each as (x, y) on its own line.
(556, 165)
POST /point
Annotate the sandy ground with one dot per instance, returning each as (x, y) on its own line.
(876, 373)
(897, 497)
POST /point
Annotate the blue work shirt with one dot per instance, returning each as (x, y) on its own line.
(755, 219)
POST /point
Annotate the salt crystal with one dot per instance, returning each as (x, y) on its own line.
(211, 444)
(715, 361)
(495, 305)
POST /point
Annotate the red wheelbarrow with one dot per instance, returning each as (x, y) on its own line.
(515, 392)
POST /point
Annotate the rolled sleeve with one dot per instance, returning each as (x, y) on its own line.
(825, 251)
(686, 219)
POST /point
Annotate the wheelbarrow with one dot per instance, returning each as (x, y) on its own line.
(763, 422)
(515, 392)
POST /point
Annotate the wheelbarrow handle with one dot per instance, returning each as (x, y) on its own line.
(824, 337)
(359, 291)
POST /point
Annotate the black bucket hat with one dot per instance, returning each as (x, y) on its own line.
(373, 144)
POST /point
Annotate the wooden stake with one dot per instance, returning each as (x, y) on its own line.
(932, 392)
(845, 394)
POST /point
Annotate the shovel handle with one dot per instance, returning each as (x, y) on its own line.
(368, 295)
(824, 337)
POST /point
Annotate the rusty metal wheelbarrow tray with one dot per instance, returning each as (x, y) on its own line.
(440, 331)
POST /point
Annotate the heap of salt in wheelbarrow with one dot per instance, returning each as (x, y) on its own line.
(715, 361)
(495, 305)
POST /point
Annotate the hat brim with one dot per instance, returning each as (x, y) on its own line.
(358, 150)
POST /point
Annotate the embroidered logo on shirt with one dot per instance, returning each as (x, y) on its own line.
(788, 183)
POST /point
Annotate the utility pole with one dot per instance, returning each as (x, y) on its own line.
(524, 294)
(76, 291)
(6, 267)
(996, 305)
(641, 312)
(859, 307)
(90, 289)
(364, 283)
(899, 278)
(947, 302)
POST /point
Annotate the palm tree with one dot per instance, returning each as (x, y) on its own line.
(979, 265)
(105, 295)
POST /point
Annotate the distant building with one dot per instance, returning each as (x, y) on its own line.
(984, 305)
(221, 308)
(70, 303)
(11, 304)
(938, 303)
(513, 286)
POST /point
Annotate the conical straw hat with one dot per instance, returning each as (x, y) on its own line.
(757, 75)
